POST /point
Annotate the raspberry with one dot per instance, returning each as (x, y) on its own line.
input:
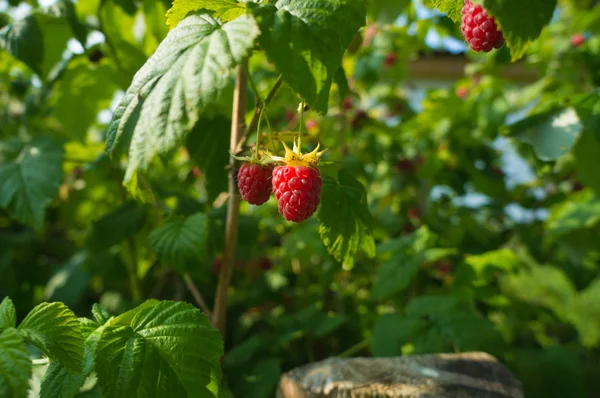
(577, 40)
(254, 183)
(479, 29)
(298, 191)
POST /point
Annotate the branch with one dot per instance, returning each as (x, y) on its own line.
(259, 109)
(233, 202)
(196, 293)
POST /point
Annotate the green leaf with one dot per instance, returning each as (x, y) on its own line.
(346, 222)
(586, 316)
(452, 8)
(487, 264)
(56, 331)
(588, 109)
(542, 286)
(585, 155)
(100, 314)
(114, 227)
(15, 365)
(26, 40)
(169, 349)
(186, 73)
(306, 42)
(580, 211)
(391, 332)
(31, 174)
(208, 145)
(8, 314)
(552, 133)
(520, 30)
(181, 242)
(82, 92)
(396, 274)
(70, 282)
(225, 10)
(58, 382)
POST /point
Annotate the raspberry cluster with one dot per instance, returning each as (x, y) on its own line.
(296, 183)
(479, 29)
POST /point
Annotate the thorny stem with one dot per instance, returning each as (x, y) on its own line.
(233, 204)
(196, 293)
(257, 112)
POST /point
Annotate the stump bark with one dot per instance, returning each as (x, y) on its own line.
(466, 375)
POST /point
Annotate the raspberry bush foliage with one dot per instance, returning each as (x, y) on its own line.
(158, 236)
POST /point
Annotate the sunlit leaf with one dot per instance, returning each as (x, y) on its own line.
(226, 10)
(56, 331)
(186, 73)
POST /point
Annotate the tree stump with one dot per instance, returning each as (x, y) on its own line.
(466, 375)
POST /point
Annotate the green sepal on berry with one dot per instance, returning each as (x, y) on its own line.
(263, 160)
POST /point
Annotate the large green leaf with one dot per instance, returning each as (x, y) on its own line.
(114, 227)
(15, 365)
(186, 73)
(31, 173)
(552, 133)
(82, 92)
(207, 145)
(181, 242)
(346, 222)
(56, 331)
(306, 41)
(168, 349)
(28, 40)
(8, 314)
(225, 10)
(522, 28)
(58, 382)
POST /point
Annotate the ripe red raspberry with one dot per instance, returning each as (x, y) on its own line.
(298, 191)
(254, 182)
(577, 39)
(479, 29)
(390, 60)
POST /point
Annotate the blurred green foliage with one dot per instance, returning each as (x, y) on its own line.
(456, 215)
